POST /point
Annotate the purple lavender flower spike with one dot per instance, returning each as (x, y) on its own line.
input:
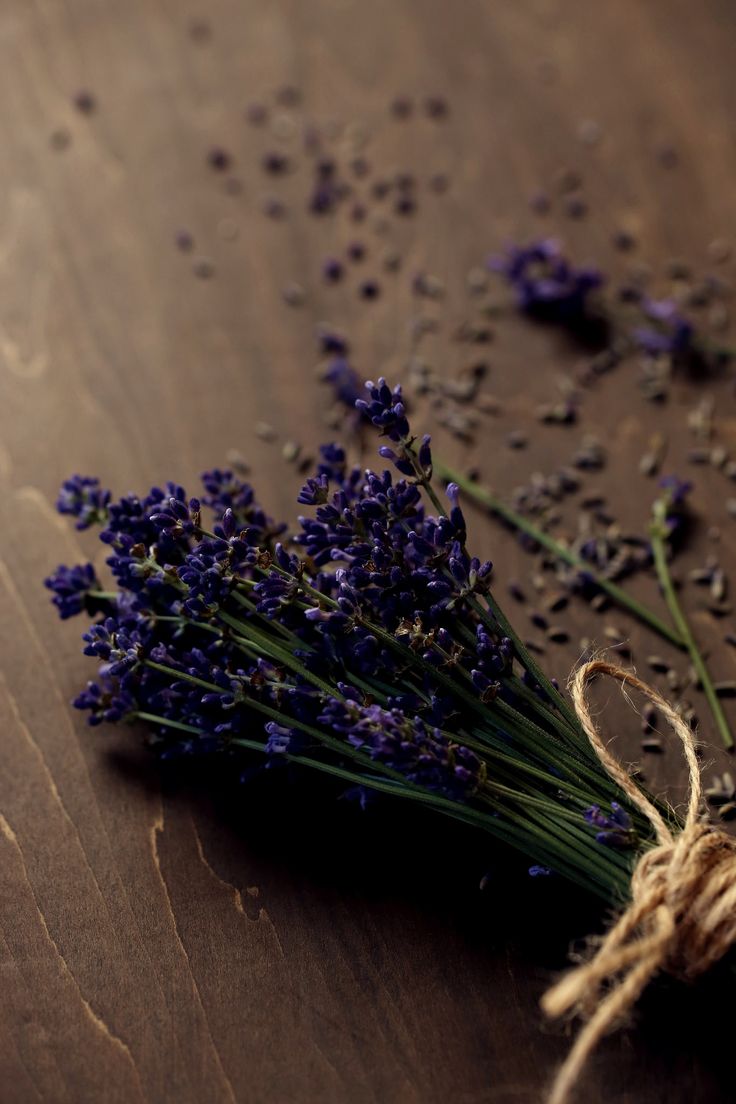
(385, 408)
(82, 497)
(344, 380)
(423, 755)
(71, 588)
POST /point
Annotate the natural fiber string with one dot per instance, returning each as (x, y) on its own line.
(682, 916)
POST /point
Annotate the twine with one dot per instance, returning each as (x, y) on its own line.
(682, 916)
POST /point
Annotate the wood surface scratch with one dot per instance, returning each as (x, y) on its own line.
(233, 890)
(157, 828)
(93, 1016)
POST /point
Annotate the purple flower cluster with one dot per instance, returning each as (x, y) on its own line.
(385, 409)
(422, 755)
(75, 590)
(216, 622)
(546, 284)
(614, 829)
(82, 497)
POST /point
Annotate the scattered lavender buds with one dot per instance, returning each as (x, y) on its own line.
(547, 286)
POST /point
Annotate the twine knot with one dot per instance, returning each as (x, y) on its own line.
(682, 915)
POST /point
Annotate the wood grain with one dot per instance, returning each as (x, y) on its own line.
(167, 939)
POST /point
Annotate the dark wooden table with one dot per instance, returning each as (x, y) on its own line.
(161, 941)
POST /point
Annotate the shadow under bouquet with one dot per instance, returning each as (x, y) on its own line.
(367, 644)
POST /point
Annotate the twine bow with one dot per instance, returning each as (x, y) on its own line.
(682, 916)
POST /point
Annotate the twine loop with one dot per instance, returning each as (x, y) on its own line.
(682, 915)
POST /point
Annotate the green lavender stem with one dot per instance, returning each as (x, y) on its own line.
(424, 480)
(683, 627)
(567, 850)
(523, 525)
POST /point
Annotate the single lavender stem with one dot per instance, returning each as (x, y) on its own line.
(426, 485)
(678, 616)
(518, 521)
(153, 718)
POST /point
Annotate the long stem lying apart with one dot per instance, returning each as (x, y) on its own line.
(662, 569)
(486, 498)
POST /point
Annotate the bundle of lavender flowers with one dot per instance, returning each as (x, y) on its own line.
(367, 644)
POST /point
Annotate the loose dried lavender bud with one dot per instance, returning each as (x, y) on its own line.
(275, 163)
(648, 717)
(435, 107)
(219, 159)
(85, 102)
(652, 744)
(575, 207)
(333, 270)
(516, 439)
(624, 241)
(516, 592)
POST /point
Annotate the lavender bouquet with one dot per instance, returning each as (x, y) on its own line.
(367, 645)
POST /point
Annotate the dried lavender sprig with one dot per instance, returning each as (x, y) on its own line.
(517, 521)
(659, 532)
